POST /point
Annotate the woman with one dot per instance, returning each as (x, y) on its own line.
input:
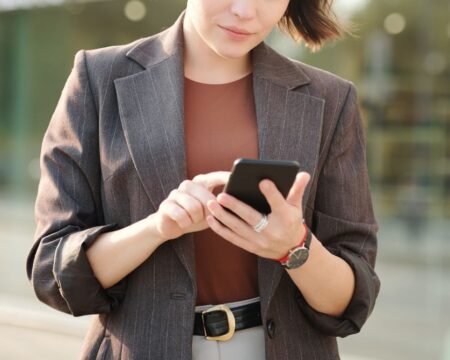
(131, 226)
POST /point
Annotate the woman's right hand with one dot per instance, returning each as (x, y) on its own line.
(185, 210)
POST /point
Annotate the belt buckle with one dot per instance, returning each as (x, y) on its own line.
(231, 322)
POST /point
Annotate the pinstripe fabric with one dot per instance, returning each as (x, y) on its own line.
(114, 149)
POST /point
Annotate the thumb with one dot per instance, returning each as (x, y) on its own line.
(212, 179)
(298, 189)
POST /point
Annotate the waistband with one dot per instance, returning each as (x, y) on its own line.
(200, 308)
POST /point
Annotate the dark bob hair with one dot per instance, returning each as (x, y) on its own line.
(311, 21)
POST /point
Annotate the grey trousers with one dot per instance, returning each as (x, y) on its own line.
(247, 344)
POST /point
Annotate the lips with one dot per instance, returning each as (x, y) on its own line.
(236, 30)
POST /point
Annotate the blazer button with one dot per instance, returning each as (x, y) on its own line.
(270, 328)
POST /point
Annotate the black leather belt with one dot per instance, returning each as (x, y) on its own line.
(220, 322)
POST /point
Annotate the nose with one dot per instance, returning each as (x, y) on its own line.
(244, 9)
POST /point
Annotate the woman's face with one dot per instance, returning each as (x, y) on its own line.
(211, 18)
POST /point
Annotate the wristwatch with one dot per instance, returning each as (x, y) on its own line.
(298, 255)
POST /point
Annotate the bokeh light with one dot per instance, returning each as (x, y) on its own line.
(394, 23)
(135, 10)
(434, 63)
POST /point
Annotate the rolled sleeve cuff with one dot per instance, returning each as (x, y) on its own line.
(75, 278)
(360, 307)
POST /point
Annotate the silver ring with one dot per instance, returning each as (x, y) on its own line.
(262, 224)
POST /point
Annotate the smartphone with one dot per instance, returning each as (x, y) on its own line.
(247, 173)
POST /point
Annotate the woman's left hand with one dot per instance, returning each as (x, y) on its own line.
(284, 230)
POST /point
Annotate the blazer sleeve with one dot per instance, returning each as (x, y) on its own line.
(68, 208)
(343, 220)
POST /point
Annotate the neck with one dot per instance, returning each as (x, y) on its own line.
(204, 65)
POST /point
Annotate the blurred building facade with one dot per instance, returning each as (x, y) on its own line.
(400, 63)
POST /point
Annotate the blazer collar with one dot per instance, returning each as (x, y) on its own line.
(267, 63)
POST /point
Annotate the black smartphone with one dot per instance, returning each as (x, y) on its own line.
(247, 173)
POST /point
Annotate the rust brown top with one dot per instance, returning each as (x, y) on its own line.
(220, 126)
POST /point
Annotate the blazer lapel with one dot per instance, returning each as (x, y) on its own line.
(151, 105)
(289, 128)
(151, 108)
(151, 111)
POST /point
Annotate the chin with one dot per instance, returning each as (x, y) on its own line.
(235, 53)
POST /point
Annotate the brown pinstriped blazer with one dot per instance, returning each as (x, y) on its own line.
(114, 149)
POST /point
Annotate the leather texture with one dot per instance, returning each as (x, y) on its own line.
(215, 323)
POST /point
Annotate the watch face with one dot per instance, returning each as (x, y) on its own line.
(297, 258)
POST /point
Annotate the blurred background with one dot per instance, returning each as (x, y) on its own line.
(400, 63)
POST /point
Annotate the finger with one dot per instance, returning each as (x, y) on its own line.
(272, 194)
(190, 204)
(176, 213)
(241, 209)
(198, 191)
(298, 189)
(237, 225)
(212, 179)
(229, 235)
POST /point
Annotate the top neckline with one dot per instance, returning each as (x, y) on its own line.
(221, 84)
